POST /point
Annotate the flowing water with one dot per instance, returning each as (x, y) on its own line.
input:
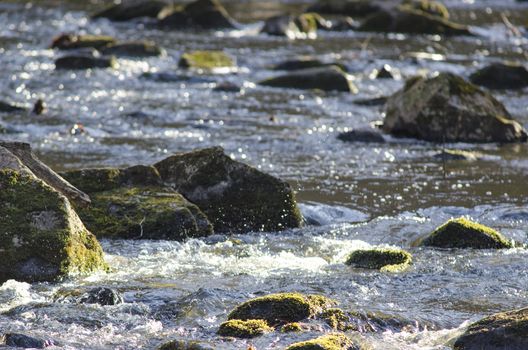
(359, 195)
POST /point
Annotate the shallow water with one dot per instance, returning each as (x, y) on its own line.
(360, 194)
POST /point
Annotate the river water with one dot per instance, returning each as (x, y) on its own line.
(360, 195)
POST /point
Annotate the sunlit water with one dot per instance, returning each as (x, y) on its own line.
(361, 195)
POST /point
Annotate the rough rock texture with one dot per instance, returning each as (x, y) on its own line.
(293, 27)
(389, 260)
(234, 196)
(133, 49)
(329, 78)
(84, 62)
(447, 108)
(72, 41)
(207, 60)
(204, 14)
(501, 331)
(501, 76)
(462, 233)
(128, 10)
(334, 341)
(244, 329)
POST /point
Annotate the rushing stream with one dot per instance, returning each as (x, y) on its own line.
(360, 195)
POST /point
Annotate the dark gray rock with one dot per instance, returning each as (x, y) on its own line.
(23, 341)
(102, 296)
(361, 135)
(128, 10)
(501, 76)
(75, 62)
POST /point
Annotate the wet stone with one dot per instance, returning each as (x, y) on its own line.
(128, 10)
(501, 76)
(132, 49)
(84, 62)
(362, 135)
(23, 341)
(102, 296)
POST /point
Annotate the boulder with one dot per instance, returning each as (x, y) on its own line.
(305, 62)
(293, 27)
(74, 62)
(74, 42)
(447, 108)
(206, 60)
(101, 295)
(501, 331)
(384, 72)
(384, 259)
(462, 233)
(361, 135)
(329, 78)
(128, 10)
(133, 49)
(369, 102)
(234, 196)
(9, 107)
(244, 329)
(204, 14)
(334, 341)
(18, 340)
(501, 76)
(185, 345)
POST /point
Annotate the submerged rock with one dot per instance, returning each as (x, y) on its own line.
(281, 308)
(23, 341)
(84, 62)
(133, 49)
(353, 8)
(329, 78)
(185, 345)
(384, 259)
(501, 331)
(73, 42)
(462, 233)
(204, 14)
(501, 76)
(335, 341)
(128, 10)
(361, 135)
(447, 108)
(206, 60)
(293, 27)
(291, 327)
(305, 63)
(102, 296)
(234, 196)
(9, 107)
(244, 328)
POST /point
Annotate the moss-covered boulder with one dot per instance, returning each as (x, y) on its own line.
(501, 76)
(206, 60)
(185, 345)
(74, 62)
(281, 308)
(244, 328)
(133, 49)
(292, 327)
(448, 108)
(303, 26)
(384, 259)
(127, 10)
(72, 41)
(329, 78)
(132, 203)
(234, 196)
(463, 233)
(334, 341)
(501, 331)
(201, 14)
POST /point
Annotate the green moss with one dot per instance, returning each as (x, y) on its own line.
(325, 342)
(282, 307)
(463, 233)
(244, 328)
(69, 41)
(308, 23)
(434, 8)
(291, 327)
(207, 60)
(337, 319)
(387, 260)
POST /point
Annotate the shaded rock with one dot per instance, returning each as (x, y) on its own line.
(234, 196)
(377, 101)
(384, 259)
(447, 108)
(281, 308)
(207, 60)
(462, 233)
(517, 215)
(334, 341)
(205, 14)
(84, 62)
(102, 296)
(8, 107)
(185, 345)
(361, 135)
(329, 78)
(39, 107)
(133, 49)
(73, 42)
(455, 154)
(384, 72)
(128, 10)
(23, 341)
(501, 331)
(501, 76)
(227, 87)
(244, 329)
(305, 63)
(293, 27)
(353, 8)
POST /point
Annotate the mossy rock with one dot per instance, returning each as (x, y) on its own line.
(42, 238)
(326, 342)
(133, 49)
(337, 319)
(434, 8)
(330, 78)
(75, 62)
(501, 76)
(200, 14)
(9, 107)
(281, 308)
(501, 331)
(234, 196)
(292, 327)
(244, 328)
(72, 41)
(185, 345)
(384, 259)
(463, 233)
(206, 60)
(448, 108)
(128, 10)
(303, 26)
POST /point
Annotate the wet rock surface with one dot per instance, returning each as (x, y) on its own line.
(329, 78)
(501, 76)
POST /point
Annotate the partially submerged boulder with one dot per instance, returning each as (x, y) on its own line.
(501, 76)
(128, 10)
(361, 135)
(234, 196)
(9, 107)
(462, 233)
(73, 42)
(329, 78)
(206, 60)
(384, 259)
(501, 331)
(334, 341)
(244, 329)
(204, 14)
(101, 295)
(19, 340)
(305, 63)
(353, 8)
(293, 27)
(447, 108)
(133, 49)
(73, 62)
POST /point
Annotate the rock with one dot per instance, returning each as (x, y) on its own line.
(406, 19)
(73, 42)
(204, 14)
(384, 72)
(206, 60)
(377, 101)
(383, 259)
(234, 196)
(353, 8)
(185, 345)
(244, 329)
(434, 8)
(8, 107)
(281, 308)
(132, 203)
(501, 76)
(23, 341)
(291, 327)
(456, 154)
(335, 341)
(361, 135)
(329, 78)
(84, 62)
(300, 27)
(39, 107)
(339, 24)
(128, 10)
(501, 331)
(305, 63)
(168, 77)
(42, 238)
(447, 108)
(133, 49)
(462, 233)
(227, 87)
(102, 296)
